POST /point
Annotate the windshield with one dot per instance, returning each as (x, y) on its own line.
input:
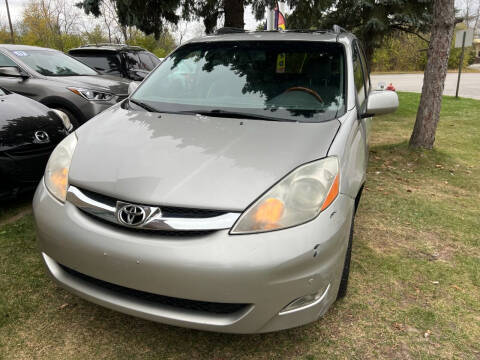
(53, 63)
(300, 81)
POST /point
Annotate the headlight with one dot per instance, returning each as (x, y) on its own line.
(297, 198)
(91, 95)
(65, 119)
(58, 166)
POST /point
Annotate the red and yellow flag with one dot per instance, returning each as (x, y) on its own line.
(279, 19)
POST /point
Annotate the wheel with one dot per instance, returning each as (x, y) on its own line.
(342, 290)
(72, 117)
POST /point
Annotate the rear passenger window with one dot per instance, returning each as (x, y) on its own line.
(106, 63)
(359, 78)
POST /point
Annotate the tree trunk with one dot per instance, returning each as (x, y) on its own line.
(428, 114)
(233, 13)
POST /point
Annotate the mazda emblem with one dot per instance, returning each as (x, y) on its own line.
(131, 215)
(41, 137)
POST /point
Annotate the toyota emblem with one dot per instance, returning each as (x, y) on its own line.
(131, 215)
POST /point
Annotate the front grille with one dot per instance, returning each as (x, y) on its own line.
(184, 304)
(185, 234)
(29, 150)
(167, 211)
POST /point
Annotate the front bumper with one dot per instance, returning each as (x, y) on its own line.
(21, 171)
(263, 271)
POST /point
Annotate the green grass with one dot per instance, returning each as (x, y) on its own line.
(415, 280)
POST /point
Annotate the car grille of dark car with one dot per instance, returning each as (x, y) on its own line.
(25, 164)
(185, 304)
(36, 150)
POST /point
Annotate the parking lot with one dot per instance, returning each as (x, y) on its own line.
(469, 83)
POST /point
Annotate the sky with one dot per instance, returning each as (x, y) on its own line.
(16, 9)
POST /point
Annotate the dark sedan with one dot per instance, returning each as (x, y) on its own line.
(29, 131)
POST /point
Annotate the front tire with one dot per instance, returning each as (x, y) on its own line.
(342, 290)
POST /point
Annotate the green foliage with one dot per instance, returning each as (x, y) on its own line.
(400, 52)
(5, 35)
(454, 59)
(161, 47)
(407, 52)
(96, 36)
(370, 20)
(148, 16)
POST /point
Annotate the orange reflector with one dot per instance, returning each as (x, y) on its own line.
(332, 194)
(75, 91)
(269, 212)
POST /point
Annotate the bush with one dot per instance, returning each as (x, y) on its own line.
(407, 52)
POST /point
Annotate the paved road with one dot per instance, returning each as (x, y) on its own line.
(469, 83)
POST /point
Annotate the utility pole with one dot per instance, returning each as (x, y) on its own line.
(460, 64)
(10, 22)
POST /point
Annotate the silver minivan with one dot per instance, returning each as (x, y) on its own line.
(221, 194)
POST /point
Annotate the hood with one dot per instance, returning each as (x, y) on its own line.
(107, 83)
(22, 117)
(191, 161)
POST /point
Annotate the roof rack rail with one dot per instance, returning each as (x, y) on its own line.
(338, 29)
(104, 44)
(229, 30)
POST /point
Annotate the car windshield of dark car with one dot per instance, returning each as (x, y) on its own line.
(53, 63)
(299, 81)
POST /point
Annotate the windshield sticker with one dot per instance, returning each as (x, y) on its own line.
(20, 53)
(281, 63)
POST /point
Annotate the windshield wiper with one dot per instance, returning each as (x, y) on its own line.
(143, 105)
(234, 114)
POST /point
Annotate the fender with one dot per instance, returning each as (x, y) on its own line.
(57, 101)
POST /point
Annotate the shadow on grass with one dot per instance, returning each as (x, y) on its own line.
(403, 151)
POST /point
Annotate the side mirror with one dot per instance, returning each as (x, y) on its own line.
(382, 102)
(132, 87)
(12, 71)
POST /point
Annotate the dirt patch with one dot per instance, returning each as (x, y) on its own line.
(26, 210)
(385, 238)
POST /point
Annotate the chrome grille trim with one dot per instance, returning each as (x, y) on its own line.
(155, 221)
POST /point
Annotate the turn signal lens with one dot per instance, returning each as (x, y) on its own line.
(297, 198)
(332, 194)
(58, 166)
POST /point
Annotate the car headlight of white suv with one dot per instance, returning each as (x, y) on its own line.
(296, 199)
(58, 166)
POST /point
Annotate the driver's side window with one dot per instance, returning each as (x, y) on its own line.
(359, 78)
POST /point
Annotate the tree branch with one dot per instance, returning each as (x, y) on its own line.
(398, 27)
